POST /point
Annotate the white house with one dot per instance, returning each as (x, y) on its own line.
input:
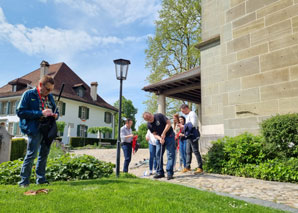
(80, 106)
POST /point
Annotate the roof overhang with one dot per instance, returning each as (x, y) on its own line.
(184, 86)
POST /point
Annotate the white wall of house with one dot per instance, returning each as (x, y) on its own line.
(71, 118)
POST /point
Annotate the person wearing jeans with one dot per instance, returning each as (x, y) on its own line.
(152, 151)
(36, 104)
(160, 126)
(192, 143)
(169, 145)
(182, 142)
(126, 142)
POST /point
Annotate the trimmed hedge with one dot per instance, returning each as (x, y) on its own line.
(281, 135)
(244, 156)
(63, 168)
(18, 148)
(80, 141)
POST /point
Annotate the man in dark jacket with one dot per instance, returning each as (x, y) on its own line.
(36, 104)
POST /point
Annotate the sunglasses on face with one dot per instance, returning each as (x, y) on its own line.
(47, 88)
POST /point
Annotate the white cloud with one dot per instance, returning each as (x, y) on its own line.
(2, 17)
(124, 11)
(51, 41)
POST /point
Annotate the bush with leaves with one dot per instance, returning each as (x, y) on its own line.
(229, 153)
(281, 135)
(63, 168)
(18, 148)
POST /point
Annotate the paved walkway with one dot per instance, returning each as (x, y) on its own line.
(249, 189)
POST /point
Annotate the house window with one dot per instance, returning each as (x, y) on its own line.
(12, 109)
(10, 128)
(80, 92)
(5, 108)
(82, 131)
(61, 108)
(108, 117)
(14, 88)
(1, 108)
(83, 113)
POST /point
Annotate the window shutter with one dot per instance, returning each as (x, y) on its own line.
(105, 117)
(8, 108)
(78, 130)
(15, 127)
(80, 112)
(87, 116)
(1, 108)
(86, 132)
(63, 108)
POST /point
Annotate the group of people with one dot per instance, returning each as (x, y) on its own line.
(38, 103)
(182, 135)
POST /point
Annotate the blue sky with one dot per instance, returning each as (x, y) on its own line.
(86, 35)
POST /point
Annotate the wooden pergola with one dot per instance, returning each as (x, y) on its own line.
(184, 86)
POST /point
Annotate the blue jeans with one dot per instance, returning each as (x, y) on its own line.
(35, 144)
(182, 150)
(127, 149)
(160, 149)
(152, 159)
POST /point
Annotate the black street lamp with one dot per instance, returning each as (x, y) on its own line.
(121, 68)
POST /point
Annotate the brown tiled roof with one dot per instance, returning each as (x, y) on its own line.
(61, 74)
(19, 81)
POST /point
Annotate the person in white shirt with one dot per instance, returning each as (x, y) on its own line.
(152, 151)
(126, 142)
(192, 143)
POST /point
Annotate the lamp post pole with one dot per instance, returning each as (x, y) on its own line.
(119, 126)
(121, 68)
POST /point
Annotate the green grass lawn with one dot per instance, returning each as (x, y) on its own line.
(119, 195)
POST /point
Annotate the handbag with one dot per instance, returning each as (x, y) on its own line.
(49, 130)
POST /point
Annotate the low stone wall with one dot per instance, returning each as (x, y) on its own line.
(5, 145)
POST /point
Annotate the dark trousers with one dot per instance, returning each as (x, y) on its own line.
(127, 149)
(193, 146)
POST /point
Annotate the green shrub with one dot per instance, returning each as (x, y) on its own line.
(274, 170)
(243, 149)
(65, 167)
(214, 159)
(229, 153)
(81, 141)
(18, 148)
(109, 140)
(78, 168)
(244, 155)
(281, 135)
(10, 171)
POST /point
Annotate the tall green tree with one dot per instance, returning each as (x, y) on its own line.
(128, 111)
(172, 49)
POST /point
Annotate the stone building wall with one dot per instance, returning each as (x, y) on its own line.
(253, 73)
